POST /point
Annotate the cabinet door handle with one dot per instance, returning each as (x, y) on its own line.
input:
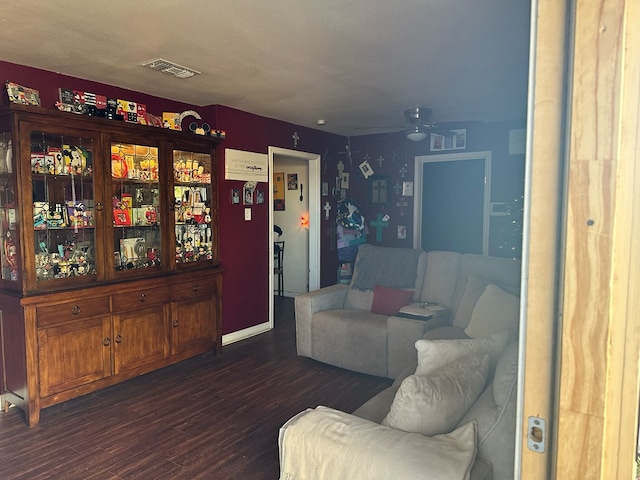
(75, 310)
(106, 341)
(118, 338)
(195, 287)
(174, 324)
(99, 206)
(143, 297)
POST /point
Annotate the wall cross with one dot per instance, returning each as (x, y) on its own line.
(379, 223)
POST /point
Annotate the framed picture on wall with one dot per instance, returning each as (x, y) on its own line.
(278, 191)
(456, 141)
(379, 190)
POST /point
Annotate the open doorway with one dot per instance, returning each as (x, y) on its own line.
(302, 243)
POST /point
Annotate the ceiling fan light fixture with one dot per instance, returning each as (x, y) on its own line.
(416, 133)
(417, 115)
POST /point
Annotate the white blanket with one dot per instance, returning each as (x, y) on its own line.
(326, 444)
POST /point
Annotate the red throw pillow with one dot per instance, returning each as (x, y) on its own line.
(389, 301)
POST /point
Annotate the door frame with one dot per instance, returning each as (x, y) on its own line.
(419, 163)
(313, 194)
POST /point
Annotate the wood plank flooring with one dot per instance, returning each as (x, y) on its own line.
(206, 418)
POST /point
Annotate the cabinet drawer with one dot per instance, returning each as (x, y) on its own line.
(194, 288)
(142, 297)
(68, 311)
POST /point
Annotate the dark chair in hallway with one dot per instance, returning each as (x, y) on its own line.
(278, 265)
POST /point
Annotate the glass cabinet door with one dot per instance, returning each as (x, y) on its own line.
(192, 197)
(136, 206)
(10, 270)
(63, 205)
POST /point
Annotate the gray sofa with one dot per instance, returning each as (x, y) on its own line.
(335, 324)
(384, 437)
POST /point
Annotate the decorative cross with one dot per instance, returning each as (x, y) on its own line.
(379, 224)
(378, 187)
(394, 155)
(295, 137)
(380, 160)
(327, 209)
(340, 169)
(402, 203)
(397, 188)
(403, 171)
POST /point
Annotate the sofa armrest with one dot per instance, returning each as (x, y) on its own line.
(327, 298)
(402, 334)
(326, 444)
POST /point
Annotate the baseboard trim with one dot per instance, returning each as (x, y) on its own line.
(245, 333)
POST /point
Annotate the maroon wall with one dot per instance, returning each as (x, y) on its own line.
(244, 245)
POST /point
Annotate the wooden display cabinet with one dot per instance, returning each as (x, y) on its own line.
(110, 265)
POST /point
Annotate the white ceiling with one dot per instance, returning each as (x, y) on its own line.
(354, 63)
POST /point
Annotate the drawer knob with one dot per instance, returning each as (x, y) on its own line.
(195, 287)
(106, 341)
(99, 206)
(75, 310)
(143, 297)
(174, 324)
(118, 338)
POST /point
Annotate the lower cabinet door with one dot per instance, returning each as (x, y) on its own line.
(74, 354)
(192, 325)
(140, 338)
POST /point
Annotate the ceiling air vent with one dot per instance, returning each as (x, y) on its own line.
(166, 66)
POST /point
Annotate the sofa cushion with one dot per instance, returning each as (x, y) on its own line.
(496, 310)
(326, 444)
(504, 272)
(352, 339)
(441, 277)
(388, 301)
(495, 413)
(474, 288)
(433, 354)
(434, 404)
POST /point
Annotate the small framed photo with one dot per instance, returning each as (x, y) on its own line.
(407, 189)
(259, 196)
(325, 189)
(366, 169)
(345, 180)
(292, 181)
(235, 196)
(121, 217)
(379, 190)
(247, 196)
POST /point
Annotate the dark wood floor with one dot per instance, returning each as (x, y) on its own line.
(205, 418)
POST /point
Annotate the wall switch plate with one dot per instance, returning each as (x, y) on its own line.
(247, 214)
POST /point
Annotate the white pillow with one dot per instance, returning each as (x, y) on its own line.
(434, 404)
(496, 310)
(327, 443)
(433, 354)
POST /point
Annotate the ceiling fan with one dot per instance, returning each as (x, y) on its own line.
(418, 127)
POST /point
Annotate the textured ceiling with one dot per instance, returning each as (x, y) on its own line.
(354, 63)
